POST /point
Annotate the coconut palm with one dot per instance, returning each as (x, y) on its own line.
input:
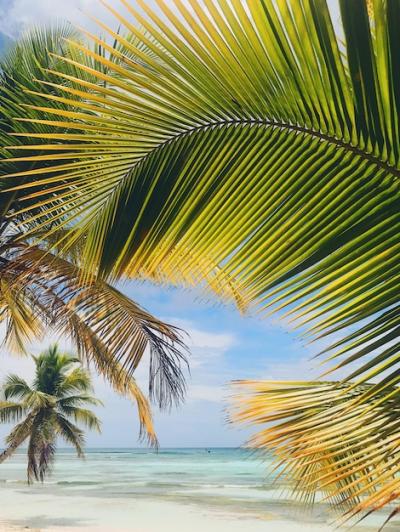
(41, 289)
(50, 409)
(252, 146)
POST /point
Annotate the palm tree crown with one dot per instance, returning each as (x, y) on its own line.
(50, 409)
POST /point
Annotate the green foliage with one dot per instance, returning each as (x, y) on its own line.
(38, 289)
(245, 146)
(58, 394)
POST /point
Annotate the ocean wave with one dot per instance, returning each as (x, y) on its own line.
(202, 486)
(79, 483)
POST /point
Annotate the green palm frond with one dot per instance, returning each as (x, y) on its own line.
(254, 151)
(83, 416)
(77, 380)
(41, 446)
(235, 147)
(78, 400)
(18, 436)
(71, 434)
(15, 387)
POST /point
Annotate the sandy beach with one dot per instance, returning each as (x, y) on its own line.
(47, 513)
(175, 490)
(103, 515)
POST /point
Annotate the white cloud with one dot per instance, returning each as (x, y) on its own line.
(18, 15)
(204, 346)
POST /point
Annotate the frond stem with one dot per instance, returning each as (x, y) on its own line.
(384, 165)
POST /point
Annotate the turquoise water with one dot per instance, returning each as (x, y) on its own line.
(232, 480)
(220, 475)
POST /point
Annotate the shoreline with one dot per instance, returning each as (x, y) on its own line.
(173, 491)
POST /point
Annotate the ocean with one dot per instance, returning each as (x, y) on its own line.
(115, 485)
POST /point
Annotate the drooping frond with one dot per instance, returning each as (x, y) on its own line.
(15, 387)
(18, 436)
(83, 416)
(41, 446)
(21, 321)
(325, 441)
(10, 412)
(70, 433)
(78, 400)
(107, 327)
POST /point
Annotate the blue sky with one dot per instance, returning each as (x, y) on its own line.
(224, 345)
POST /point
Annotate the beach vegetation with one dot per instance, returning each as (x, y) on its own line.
(43, 288)
(48, 411)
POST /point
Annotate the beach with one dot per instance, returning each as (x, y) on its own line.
(174, 490)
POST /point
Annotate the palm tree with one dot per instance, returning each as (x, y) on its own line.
(50, 408)
(42, 288)
(252, 146)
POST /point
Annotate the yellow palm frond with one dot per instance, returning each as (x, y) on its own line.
(324, 441)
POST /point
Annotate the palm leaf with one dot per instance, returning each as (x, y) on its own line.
(18, 436)
(71, 434)
(324, 442)
(83, 416)
(108, 328)
(15, 387)
(250, 147)
(41, 446)
(171, 137)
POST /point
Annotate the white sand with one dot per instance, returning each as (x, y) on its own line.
(42, 512)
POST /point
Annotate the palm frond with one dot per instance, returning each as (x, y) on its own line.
(77, 380)
(83, 416)
(21, 320)
(325, 441)
(15, 387)
(78, 400)
(18, 436)
(235, 152)
(10, 412)
(41, 446)
(106, 326)
(71, 434)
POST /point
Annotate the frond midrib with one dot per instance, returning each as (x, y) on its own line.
(384, 165)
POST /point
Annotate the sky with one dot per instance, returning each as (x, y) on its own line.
(224, 345)
(18, 15)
